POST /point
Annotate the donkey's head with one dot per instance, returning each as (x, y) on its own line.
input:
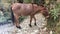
(44, 11)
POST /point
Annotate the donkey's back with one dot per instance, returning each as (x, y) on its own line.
(23, 9)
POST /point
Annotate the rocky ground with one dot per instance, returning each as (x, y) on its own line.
(11, 29)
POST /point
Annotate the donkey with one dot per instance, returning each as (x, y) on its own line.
(22, 9)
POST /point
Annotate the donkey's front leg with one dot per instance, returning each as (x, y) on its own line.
(34, 20)
(30, 21)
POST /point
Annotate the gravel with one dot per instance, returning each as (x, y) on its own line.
(11, 29)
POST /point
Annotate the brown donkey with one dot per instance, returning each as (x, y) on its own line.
(21, 9)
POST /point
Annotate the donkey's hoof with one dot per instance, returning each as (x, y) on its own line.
(35, 24)
(19, 27)
(30, 25)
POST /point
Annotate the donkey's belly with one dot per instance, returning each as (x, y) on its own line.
(26, 13)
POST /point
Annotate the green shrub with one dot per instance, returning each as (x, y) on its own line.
(54, 18)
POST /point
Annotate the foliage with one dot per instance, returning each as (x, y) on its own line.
(22, 18)
(27, 1)
(2, 18)
(36, 2)
(9, 1)
(54, 18)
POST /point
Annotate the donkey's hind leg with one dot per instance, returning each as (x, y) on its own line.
(17, 21)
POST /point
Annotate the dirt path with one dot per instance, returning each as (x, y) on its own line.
(11, 29)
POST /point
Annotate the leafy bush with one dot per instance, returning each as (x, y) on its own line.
(54, 18)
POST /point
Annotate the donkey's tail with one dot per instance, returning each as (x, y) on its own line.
(12, 15)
